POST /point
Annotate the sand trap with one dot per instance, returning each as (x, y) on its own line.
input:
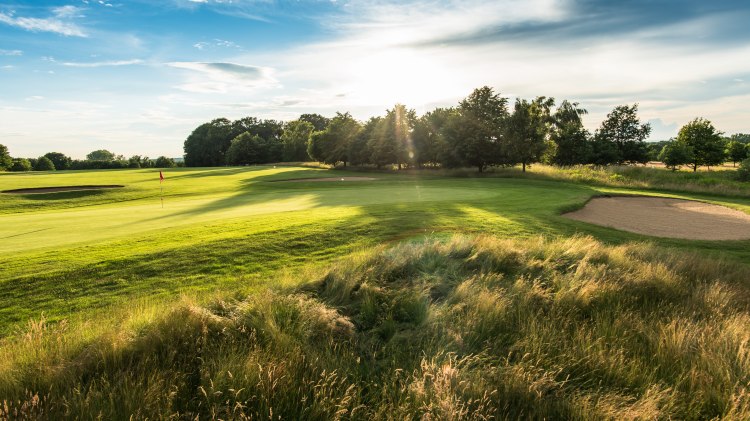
(307, 180)
(662, 217)
(37, 190)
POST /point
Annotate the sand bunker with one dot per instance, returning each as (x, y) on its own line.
(662, 217)
(37, 190)
(307, 180)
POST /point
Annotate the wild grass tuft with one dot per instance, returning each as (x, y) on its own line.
(454, 328)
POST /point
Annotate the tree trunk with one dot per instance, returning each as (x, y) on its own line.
(480, 168)
(695, 167)
(399, 166)
(523, 167)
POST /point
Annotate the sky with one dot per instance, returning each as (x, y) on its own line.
(137, 76)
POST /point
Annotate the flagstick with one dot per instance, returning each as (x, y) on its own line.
(161, 194)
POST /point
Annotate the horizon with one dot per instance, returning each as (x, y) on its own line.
(137, 78)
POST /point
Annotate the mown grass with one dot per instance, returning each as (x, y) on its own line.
(232, 231)
(458, 327)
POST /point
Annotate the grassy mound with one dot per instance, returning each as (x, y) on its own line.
(466, 328)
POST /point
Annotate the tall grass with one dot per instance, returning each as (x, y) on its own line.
(460, 328)
(723, 182)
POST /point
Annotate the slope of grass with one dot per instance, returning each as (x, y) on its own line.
(453, 328)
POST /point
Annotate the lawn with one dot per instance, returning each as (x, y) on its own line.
(412, 295)
(229, 229)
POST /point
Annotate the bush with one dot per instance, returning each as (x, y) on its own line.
(44, 164)
(20, 164)
(743, 172)
(164, 162)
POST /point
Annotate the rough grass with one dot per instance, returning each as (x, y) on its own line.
(458, 328)
(722, 182)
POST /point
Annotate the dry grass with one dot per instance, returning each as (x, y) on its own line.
(465, 328)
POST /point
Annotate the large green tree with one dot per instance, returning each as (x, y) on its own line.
(475, 132)
(249, 149)
(704, 141)
(527, 129)
(164, 162)
(20, 165)
(621, 137)
(391, 143)
(44, 164)
(296, 135)
(427, 136)
(61, 161)
(319, 122)
(5, 160)
(333, 145)
(675, 154)
(571, 140)
(208, 143)
(101, 155)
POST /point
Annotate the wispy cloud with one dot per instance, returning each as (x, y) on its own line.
(11, 52)
(59, 23)
(104, 63)
(216, 43)
(221, 77)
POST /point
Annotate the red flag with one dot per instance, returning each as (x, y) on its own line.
(161, 177)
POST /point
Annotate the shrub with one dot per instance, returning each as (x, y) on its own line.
(44, 164)
(20, 165)
(743, 172)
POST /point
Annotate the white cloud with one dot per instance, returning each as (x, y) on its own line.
(11, 52)
(223, 77)
(59, 23)
(104, 63)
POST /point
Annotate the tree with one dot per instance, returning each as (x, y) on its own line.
(675, 154)
(427, 135)
(164, 162)
(319, 122)
(61, 161)
(20, 164)
(359, 149)
(623, 130)
(527, 130)
(248, 149)
(737, 152)
(101, 155)
(476, 132)
(391, 143)
(44, 164)
(572, 142)
(704, 141)
(296, 135)
(137, 161)
(208, 143)
(334, 143)
(743, 172)
(5, 160)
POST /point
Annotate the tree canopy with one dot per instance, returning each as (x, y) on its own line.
(704, 141)
(100, 155)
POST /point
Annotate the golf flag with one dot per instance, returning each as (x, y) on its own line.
(161, 177)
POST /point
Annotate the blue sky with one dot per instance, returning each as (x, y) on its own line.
(137, 76)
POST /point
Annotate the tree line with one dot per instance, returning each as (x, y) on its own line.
(95, 160)
(483, 130)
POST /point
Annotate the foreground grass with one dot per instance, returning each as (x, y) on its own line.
(453, 328)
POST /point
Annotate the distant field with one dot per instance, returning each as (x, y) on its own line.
(228, 228)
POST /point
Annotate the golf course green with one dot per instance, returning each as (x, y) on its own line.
(122, 260)
(70, 251)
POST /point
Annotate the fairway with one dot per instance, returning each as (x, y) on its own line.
(228, 229)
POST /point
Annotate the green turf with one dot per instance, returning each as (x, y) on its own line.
(231, 228)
